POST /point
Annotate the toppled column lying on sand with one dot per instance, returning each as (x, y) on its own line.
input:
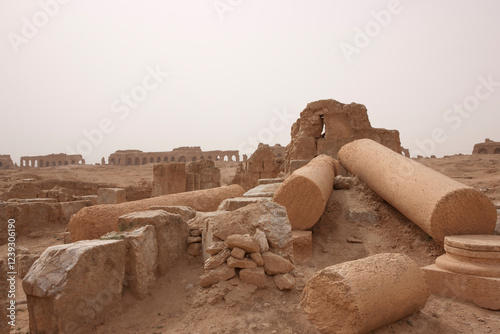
(437, 204)
(363, 295)
(305, 193)
(95, 221)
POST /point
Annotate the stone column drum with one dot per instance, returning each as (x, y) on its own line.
(304, 193)
(363, 295)
(436, 203)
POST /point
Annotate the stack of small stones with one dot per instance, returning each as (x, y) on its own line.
(194, 242)
(249, 258)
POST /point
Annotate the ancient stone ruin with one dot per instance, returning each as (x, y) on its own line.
(326, 125)
(52, 160)
(271, 238)
(262, 164)
(180, 154)
(6, 161)
(488, 147)
(175, 177)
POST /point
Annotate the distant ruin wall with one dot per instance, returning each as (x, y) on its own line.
(488, 147)
(52, 160)
(181, 154)
(6, 162)
(327, 125)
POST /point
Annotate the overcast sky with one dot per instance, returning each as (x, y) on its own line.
(95, 76)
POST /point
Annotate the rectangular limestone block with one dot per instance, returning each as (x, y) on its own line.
(111, 196)
(302, 246)
(142, 260)
(263, 190)
(71, 288)
(169, 178)
(269, 181)
(481, 291)
(232, 204)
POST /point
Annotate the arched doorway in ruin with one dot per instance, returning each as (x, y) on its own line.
(112, 161)
(47, 164)
(497, 151)
(182, 159)
(202, 158)
(129, 161)
(482, 151)
(165, 159)
(226, 158)
(233, 158)
(151, 160)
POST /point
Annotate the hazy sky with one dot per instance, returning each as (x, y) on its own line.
(97, 76)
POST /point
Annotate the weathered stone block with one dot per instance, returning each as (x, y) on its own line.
(214, 276)
(255, 276)
(284, 281)
(171, 234)
(246, 242)
(302, 246)
(169, 178)
(275, 264)
(185, 211)
(263, 190)
(142, 260)
(111, 196)
(232, 204)
(71, 288)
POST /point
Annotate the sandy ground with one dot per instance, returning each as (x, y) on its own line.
(180, 305)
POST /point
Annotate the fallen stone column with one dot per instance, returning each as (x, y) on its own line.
(437, 204)
(363, 295)
(95, 221)
(305, 193)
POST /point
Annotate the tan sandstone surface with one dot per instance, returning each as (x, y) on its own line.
(178, 304)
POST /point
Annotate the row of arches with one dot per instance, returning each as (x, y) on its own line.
(485, 151)
(49, 163)
(152, 159)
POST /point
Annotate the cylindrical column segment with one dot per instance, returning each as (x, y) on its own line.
(438, 204)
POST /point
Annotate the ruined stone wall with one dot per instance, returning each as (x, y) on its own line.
(263, 164)
(175, 177)
(488, 147)
(327, 125)
(52, 160)
(6, 162)
(279, 151)
(181, 154)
